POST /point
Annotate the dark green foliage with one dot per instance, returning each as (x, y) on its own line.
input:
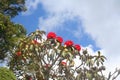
(6, 74)
(10, 33)
(12, 7)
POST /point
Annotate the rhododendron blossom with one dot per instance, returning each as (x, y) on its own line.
(59, 39)
(77, 47)
(51, 35)
(68, 43)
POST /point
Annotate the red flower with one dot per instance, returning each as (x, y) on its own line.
(68, 43)
(63, 63)
(51, 35)
(18, 53)
(59, 39)
(77, 47)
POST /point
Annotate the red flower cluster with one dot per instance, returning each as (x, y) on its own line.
(59, 39)
(18, 53)
(77, 47)
(51, 35)
(69, 43)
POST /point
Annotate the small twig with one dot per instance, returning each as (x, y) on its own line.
(56, 59)
(78, 66)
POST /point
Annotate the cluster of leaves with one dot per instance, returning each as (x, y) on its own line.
(12, 7)
(6, 74)
(10, 33)
(43, 58)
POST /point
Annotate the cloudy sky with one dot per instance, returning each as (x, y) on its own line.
(94, 24)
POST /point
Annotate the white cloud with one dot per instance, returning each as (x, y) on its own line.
(53, 21)
(100, 18)
(31, 6)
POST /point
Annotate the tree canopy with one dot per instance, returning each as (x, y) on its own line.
(44, 57)
(10, 33)
(12, 7)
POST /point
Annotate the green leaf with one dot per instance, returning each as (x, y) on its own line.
(97, 63)
(6, 74)
(89, 76)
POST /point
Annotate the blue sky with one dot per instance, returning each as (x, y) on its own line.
(30, 21)
(95, 24)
